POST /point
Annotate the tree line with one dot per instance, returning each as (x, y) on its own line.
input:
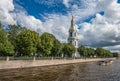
(90, 52)
(19, 41)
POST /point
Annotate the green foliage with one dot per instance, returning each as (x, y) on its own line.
(13, 31)
(57, 48)
(6, 48)
(27, 42)
(115, 54)
(83, 51)
(68, 49)
(88, 52)
(102, 52)
(47, 43)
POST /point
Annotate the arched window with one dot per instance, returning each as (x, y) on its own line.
(75, 43)
(70, 34)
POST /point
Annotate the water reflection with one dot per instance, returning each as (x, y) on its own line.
(73, 72)
(94, 72)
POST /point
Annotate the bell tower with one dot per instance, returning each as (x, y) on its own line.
(73, 34)
(73, 37)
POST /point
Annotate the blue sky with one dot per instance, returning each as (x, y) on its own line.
(97, 21)
(38, 8)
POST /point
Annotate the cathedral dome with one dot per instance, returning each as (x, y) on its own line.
(72, 28)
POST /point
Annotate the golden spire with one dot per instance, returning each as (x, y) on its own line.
(72, 23)
(72, 20)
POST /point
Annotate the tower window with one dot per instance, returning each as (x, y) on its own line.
(71, 34)
(75, 43)
(70, 41)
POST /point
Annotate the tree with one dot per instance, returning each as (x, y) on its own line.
(47, 43)
(82, 51)
(102, 52)
(57, 48)
(99, 51)
(13, 31)
(27, 42)
(6, 48)
(90, 52)
(68, 49)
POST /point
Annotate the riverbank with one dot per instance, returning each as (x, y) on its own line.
(35, 63)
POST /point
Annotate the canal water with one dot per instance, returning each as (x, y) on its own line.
(72, 72)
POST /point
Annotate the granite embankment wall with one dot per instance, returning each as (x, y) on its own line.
(34, 63)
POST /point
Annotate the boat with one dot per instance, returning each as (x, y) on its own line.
(111, 61)
(105, 62)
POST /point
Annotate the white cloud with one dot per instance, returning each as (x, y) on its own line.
(7, 15)
(104, 30)
(6, 6)
(115, 48)
(66, 3)
(110, 7)
(28, 21)
(58, 25)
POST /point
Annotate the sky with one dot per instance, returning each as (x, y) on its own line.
(97, 21)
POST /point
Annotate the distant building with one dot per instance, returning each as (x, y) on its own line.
(73, 36)
(116, 54)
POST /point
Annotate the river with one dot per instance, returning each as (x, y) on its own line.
(71, 72)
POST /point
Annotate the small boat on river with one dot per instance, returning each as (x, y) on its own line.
(105, 62)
